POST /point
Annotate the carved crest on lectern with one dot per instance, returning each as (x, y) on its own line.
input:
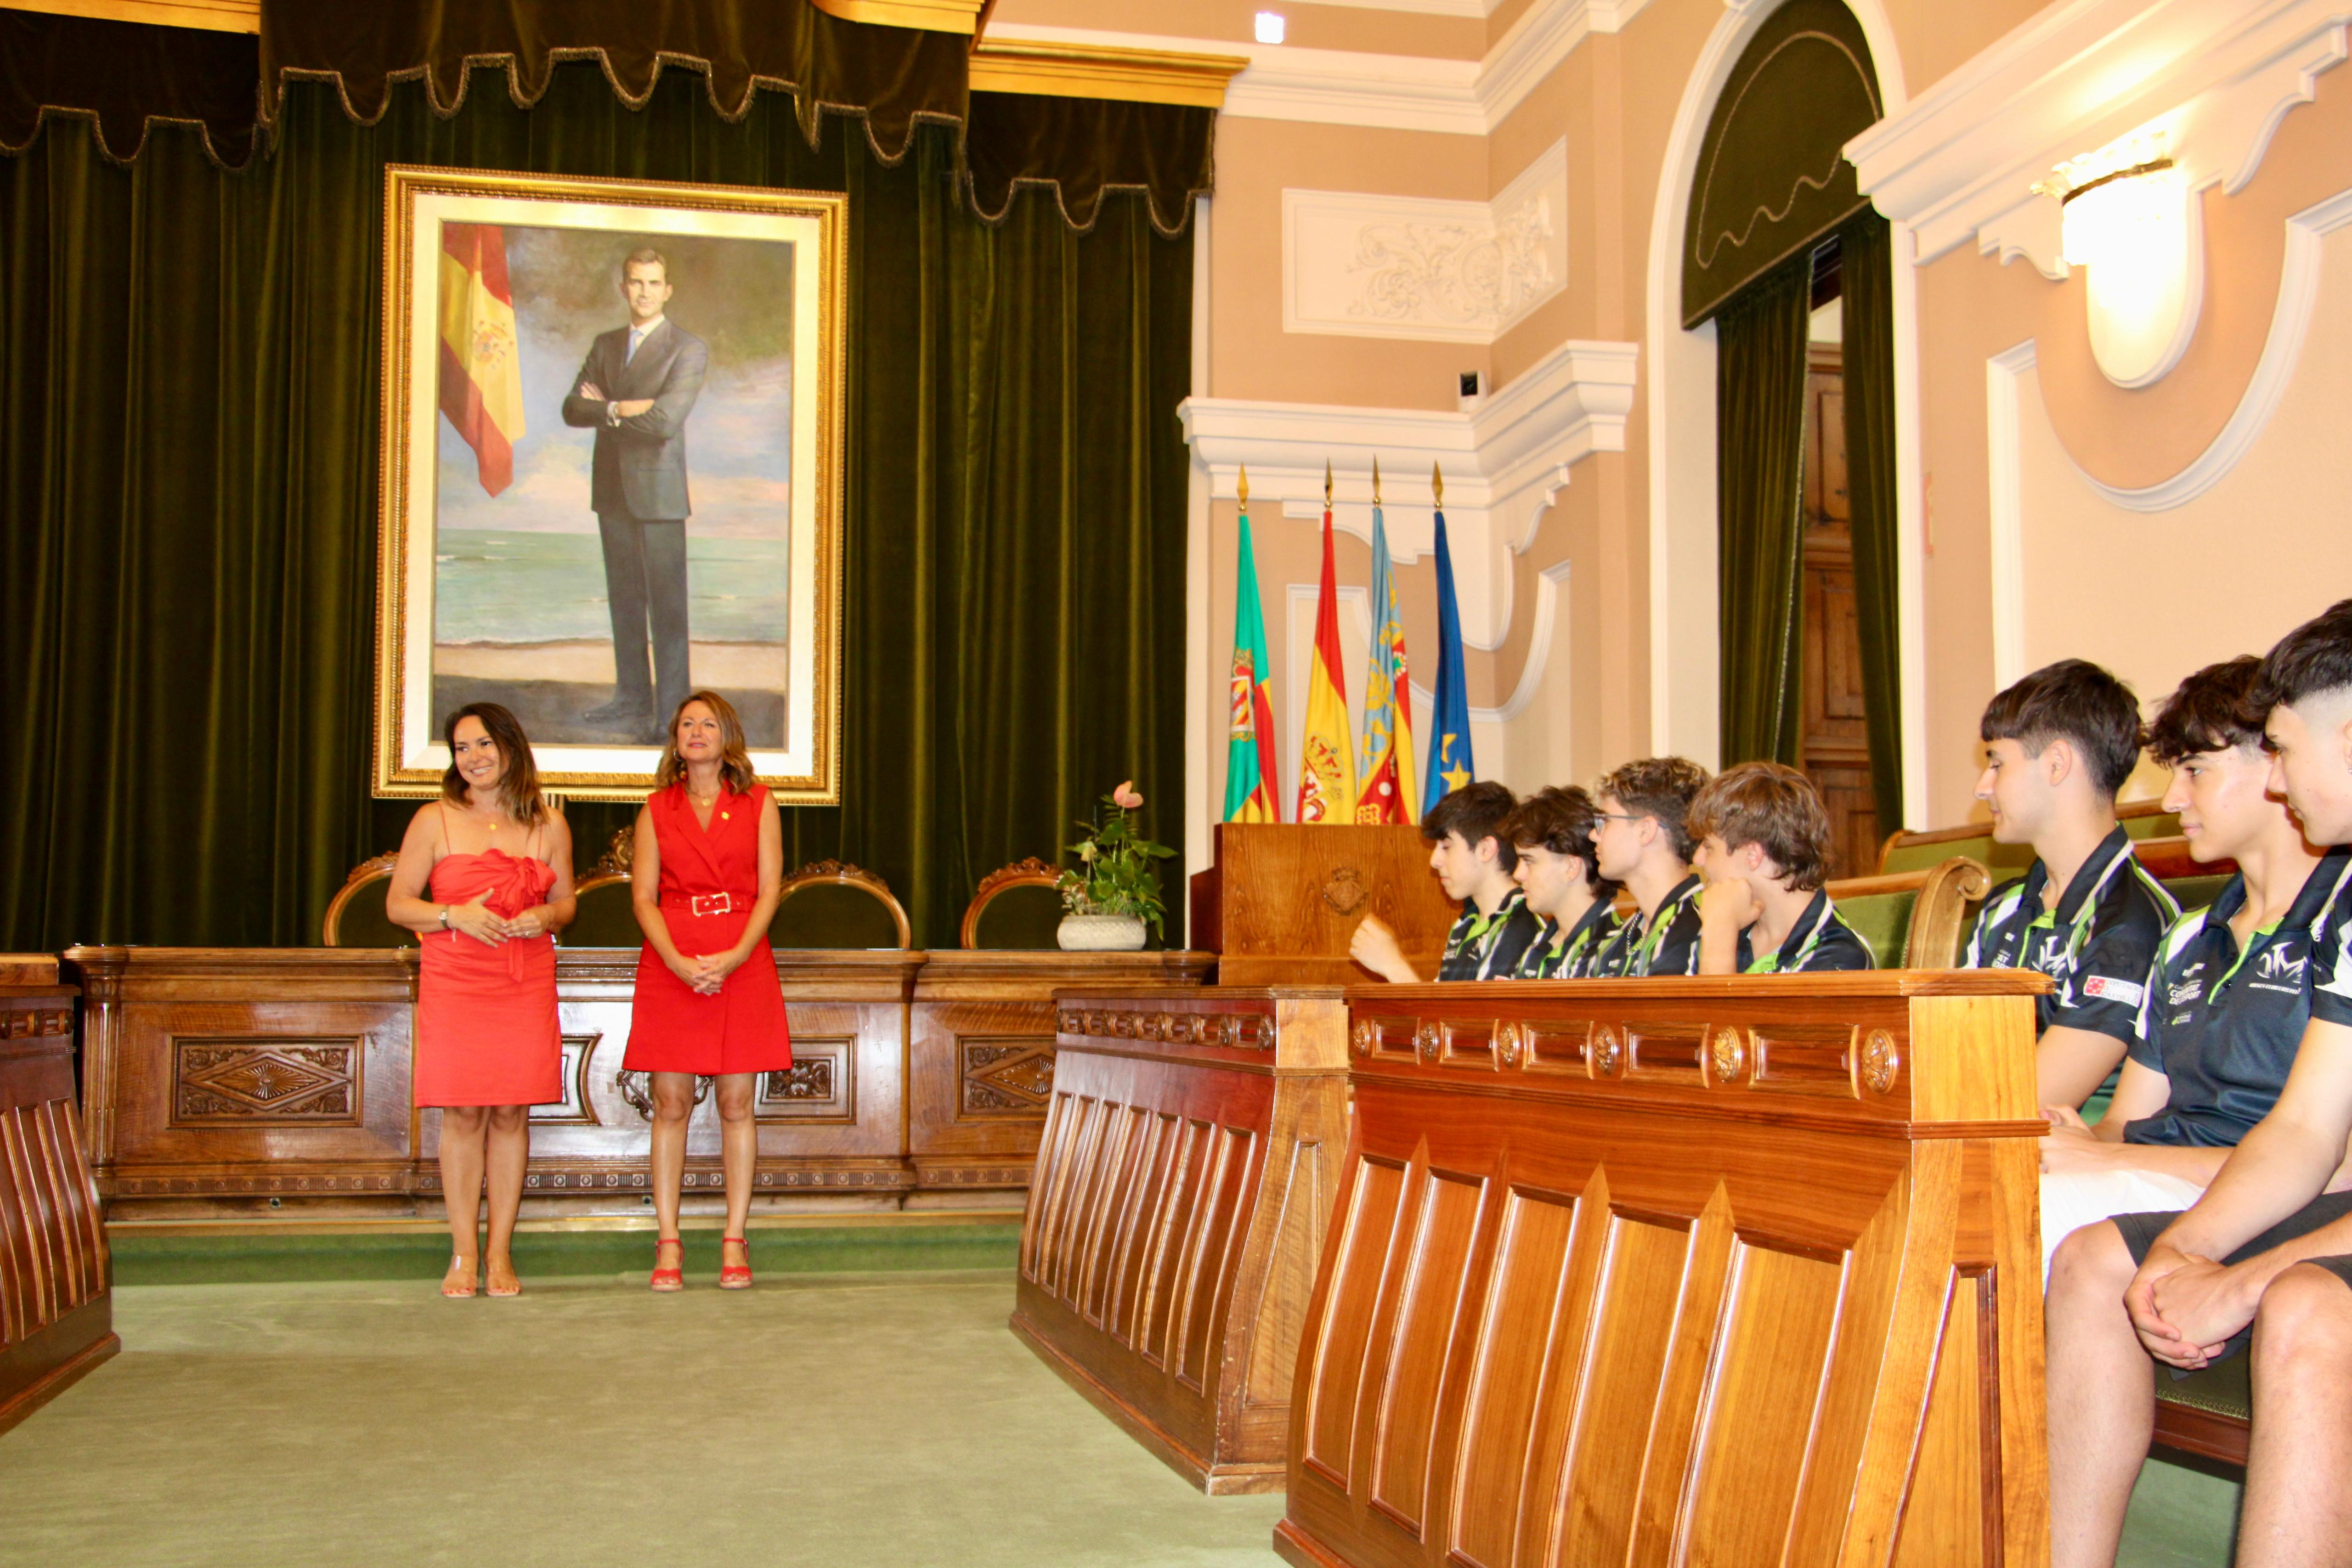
(1346, 892)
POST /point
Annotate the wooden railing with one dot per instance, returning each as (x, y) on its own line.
(56, 1308)
(1181, 1191)
(1737, 1271)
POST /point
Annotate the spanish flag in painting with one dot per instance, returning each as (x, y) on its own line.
(481, 367)
(1251, 793)
(1389, 782)
(1326, 761)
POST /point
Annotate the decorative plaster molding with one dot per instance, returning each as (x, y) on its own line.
(2005, 472)
(2217, 76)
(1365, 266)
(1503, 464)
(1551, 585)
(1404, 92)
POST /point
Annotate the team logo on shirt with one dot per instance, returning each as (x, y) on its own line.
(2275, 965)
(2186, 993)
(2131, 993)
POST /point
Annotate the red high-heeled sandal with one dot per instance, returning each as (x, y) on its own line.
(735, 1276)
(674, 1277)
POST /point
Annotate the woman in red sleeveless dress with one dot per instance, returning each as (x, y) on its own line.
(709, 863)
(485, 877)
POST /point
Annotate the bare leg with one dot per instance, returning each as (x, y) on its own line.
(461, 1192)
(506, 1158)
(2102, 1398)
(2298, 1507)
(738, 1149)
(673, 1105)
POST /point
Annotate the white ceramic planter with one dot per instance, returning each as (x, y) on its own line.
(1101, 934)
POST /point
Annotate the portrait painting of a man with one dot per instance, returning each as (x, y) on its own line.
(619, 509)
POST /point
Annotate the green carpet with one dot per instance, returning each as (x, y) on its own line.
(885, 1420)
(255, 1255)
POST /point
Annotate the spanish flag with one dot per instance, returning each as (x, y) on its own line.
(481, 369)
(1327, 762)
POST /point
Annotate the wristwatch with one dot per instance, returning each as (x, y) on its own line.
(445, 917)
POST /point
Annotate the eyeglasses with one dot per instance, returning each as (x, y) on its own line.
(1625, 816)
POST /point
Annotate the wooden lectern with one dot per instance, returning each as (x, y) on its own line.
(1282, 900)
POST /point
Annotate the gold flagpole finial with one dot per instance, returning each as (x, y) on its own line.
(1326, 483)
(1437, 483)
(1245, 487)
(1376, 481)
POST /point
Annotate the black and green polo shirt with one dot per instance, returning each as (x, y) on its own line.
(1557, 955)
(1819, 943)
(1662, 942)
(2224, 1024)
(1489, 946)
(2098, 944)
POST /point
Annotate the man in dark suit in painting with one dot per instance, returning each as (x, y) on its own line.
(654, 373)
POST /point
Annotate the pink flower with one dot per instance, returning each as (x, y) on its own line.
(1124, 797)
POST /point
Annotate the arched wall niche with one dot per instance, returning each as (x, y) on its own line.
(1685, 687)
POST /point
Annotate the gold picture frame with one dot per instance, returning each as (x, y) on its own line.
(521, 503)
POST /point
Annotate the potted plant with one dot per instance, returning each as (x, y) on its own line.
(1114, 890)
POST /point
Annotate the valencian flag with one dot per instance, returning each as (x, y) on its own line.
(1250, 789)
(1449, 765)
(1388, 770)
(1327, 760)
(481, 371)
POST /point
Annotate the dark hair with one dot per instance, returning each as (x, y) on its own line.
(1561, 820)
(645, 256)
(2073, 700)
(1659, 787)
(1475, 811)
(518, 794)
(1775, 808)
(734, 755)
(2314, 657)
(2208, 713)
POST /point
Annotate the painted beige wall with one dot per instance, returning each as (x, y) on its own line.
(1353, 27)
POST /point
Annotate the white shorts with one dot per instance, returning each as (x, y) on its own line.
(2071, 1199)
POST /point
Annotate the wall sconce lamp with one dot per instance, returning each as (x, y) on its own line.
(2130, 220)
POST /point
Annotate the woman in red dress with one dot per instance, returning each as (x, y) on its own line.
(709, 863)
(485, 876)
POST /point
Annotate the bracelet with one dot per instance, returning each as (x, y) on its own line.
(445, 917)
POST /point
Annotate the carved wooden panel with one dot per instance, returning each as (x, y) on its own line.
(1001, 1076)
(821, 1085)
(274, 1081)
(1679, 1306)
(578, 1106)
(1175, 1210)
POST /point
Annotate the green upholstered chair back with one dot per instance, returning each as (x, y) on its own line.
(830, 904)
(1017, 907)
(1883, 920)
(1919, 851)
(2195, 892)
(605, 917)
(355, 917)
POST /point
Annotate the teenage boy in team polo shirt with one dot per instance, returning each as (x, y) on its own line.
(1473, 858)
(2058, 745)
(1552, 833)
(1764, 852)
(2265, 1254)
(2231, 991)
(1644, 842)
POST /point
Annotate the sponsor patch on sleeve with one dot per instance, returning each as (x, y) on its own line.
(2107, 988)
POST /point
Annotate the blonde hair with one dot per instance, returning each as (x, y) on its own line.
(518, 794)
(734, 757)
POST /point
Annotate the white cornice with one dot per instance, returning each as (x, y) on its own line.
(1961, 161)
(1401, 92)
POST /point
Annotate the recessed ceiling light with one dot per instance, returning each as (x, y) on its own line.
(1269, 26)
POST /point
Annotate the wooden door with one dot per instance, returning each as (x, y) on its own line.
(1836, 736)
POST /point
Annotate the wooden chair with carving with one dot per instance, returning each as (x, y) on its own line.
(831, 903)
(605, 918)
(355, 917)
(1018, 907)
(1914, 919)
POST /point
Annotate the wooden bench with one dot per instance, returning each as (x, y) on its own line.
(1178, 1210)
(1697, 1271)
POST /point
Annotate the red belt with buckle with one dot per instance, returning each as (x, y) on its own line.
(699, 904)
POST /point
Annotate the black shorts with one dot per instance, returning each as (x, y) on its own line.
(2140, 1231)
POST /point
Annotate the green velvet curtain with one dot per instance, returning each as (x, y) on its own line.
(1867, 283)
(188, 428)
(1759, 458)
